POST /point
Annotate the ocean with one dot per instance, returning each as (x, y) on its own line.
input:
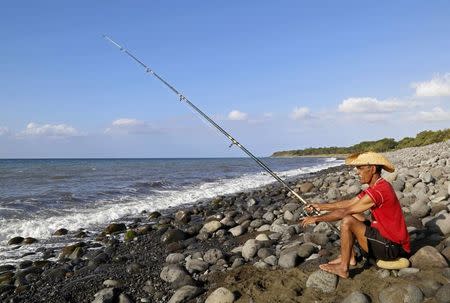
(39, 196)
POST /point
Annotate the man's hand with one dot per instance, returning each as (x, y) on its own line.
(311, 207)
(308, 220)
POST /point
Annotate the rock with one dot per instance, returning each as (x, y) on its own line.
(446, 252)
(426, 177)
(420, 209)
(398, 185)
(429, 287)
(323, 281)
(105, 295)
(288, 259)
(29, 240)
(173, 235)
(183, 216)
(356, 297)
(271, 260)
(212, 255)
(443, 294)
(322, 227)
(428, 257)
(443, 223)
(305, 250)
(237, 231)
(130, 235)
(69, 249)
(306, 187)
(123, 298)
(288, 216)
(220, 295)
(250, 249)
(60, 232)
(15, 241)
(196, 265)
(115, 228)
(354, 190)
(25, 264)
(211, 226)
(154, 215)
(333, 194)
(176, 275)
(408, 271)
(77, 253)
(262, 238)
(237, 262)
(174, 258)
(112, 283)
(185, 294)
(401, 293)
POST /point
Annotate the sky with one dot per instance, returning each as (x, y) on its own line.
(277, 75)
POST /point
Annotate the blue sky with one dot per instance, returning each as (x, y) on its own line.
(277, 75)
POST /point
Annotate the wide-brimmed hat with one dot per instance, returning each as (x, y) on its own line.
(370, 158)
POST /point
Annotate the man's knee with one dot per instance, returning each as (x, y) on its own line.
(347, 221)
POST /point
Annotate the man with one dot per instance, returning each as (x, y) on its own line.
(386, 236)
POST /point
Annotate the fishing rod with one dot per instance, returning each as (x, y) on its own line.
(226, 134)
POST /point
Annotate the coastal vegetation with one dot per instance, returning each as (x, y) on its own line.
(386, 144)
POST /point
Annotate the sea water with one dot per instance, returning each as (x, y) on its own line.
(39, 196)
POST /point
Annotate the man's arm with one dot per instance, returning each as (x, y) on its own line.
(355, 207)
(331, 206)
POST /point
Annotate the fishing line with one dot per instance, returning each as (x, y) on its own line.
(233, 141)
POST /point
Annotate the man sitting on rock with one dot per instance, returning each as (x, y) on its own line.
(385, 237)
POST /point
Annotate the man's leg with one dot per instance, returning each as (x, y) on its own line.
(351, 228)
(361, 218)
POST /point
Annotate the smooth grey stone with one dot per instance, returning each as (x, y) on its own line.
(356, 297)
(289, 259)
(185, 294)
(221, 295)
(323, 281)
(443, 294)
(428, 257)
(174, 258)
(408, 271)
(401, 293)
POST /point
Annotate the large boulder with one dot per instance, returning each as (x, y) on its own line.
(428, 257)
(115, 228)
(401, 293)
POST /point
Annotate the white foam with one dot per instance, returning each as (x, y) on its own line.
(108, 211)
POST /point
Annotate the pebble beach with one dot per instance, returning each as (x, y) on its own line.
(249, 247)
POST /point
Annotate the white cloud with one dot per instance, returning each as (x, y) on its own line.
(437, 114)
(439, 86)
(126, 122)
(4, 131)
(300, 113)
(236, 115)
(369, 105)
(130, 126)
(49, 130)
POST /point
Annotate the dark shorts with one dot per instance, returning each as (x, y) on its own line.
(380, 247)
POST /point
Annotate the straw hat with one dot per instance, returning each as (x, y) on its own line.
(370, 158)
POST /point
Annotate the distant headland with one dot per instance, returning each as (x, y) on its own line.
(383, 145)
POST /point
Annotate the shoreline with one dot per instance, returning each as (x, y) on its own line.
(248, 242)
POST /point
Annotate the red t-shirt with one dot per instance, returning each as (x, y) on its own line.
(387, 215)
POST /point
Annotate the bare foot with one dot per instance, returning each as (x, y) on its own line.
(336, 269)
(338, 261)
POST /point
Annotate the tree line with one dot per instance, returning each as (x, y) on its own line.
(383, 145)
